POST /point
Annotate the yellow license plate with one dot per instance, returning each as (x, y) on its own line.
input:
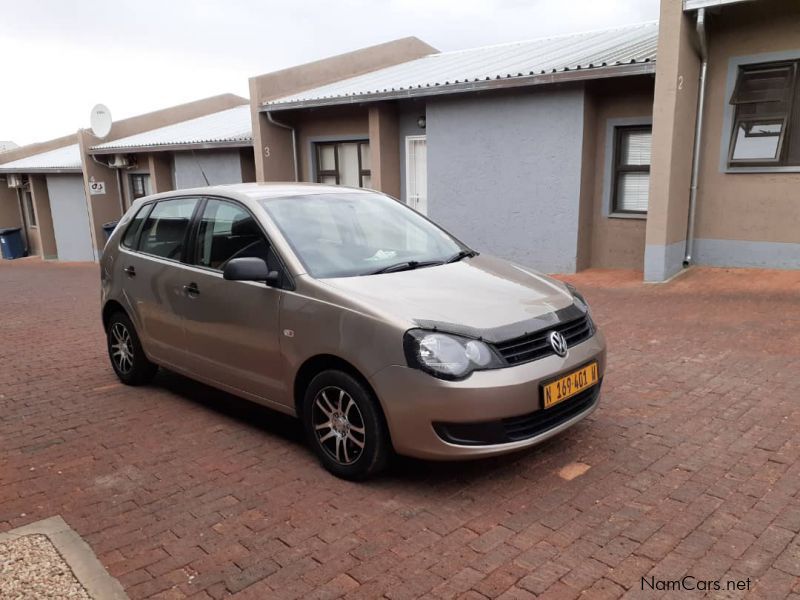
(569, 385)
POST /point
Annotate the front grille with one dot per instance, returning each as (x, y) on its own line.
(514, 429)
(534, 346)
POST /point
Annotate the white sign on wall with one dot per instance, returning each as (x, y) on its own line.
(96, 188)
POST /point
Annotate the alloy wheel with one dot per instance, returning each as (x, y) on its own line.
(338, 425)
(122, 348)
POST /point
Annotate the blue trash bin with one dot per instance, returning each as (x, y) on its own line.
(109, 227)
(11, 244)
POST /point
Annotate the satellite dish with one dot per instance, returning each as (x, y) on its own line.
(100, 121)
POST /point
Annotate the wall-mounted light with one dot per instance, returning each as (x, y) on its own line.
(421, 122)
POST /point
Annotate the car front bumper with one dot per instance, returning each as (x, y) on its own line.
(417, 405)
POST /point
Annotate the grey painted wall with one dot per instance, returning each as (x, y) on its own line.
(220, 166)
(504, 174)
(70, 214)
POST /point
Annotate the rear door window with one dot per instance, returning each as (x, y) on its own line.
(164, 231)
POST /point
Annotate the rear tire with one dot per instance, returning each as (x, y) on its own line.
(125, 351)
(345, 426)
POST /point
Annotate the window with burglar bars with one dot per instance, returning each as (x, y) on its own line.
(344, 163)
(632, 147)
(766, 124)
(140, 185)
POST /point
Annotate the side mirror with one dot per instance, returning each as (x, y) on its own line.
(250, 269)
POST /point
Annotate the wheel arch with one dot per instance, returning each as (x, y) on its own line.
(109, 309)
(324, 362)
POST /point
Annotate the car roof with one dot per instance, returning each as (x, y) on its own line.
(250, 192)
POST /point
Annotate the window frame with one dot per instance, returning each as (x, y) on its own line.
(617, 168)
(785, 118)
(145, 178)
(186, 236)
(287, 279)
(320, 173)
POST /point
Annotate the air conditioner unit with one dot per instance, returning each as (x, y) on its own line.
(16, 181)
(119, 161)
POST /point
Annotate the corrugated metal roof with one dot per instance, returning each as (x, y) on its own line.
(447, 71)
(228, 127)
(66, 158)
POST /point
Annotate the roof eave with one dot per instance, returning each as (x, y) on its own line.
(640, 68)
(171, 147)
(689, 5)
(45, 170)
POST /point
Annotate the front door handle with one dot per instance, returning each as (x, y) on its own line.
(130, 271)
(191, 289)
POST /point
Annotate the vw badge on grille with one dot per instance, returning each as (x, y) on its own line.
(558, 343)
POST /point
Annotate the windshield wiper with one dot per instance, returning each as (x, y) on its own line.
(461, 255)
(407, 265)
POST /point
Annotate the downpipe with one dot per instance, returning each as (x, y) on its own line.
(698, 136)
(294, 141)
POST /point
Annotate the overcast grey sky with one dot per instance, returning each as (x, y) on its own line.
(63, 57)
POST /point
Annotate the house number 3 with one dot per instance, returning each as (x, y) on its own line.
(266, 151)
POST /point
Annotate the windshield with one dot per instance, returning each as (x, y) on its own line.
(358, 233)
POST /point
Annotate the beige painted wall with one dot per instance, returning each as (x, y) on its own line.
(745, 206)
(338, 122)
(616, 243)
(677, 73)
(9, 205)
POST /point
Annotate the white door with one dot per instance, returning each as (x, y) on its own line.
(70, 218)
(417, 173)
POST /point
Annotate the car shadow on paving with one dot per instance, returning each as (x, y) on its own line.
(403, 469)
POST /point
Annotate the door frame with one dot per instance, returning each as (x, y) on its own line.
(408, 143)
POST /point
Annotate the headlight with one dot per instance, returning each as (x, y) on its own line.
(448, 356)
(580, 301)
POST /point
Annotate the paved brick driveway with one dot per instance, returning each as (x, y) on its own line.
(183, 491)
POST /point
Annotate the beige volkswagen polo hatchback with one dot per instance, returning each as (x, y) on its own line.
(344, 307)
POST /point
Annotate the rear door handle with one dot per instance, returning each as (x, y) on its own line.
(191, 289)
(130, 271)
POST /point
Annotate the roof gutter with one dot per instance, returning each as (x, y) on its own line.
(170, 147)
(642, 68)
(294, 141)
(698, 135)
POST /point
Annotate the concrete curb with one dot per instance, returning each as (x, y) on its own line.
(79, 556)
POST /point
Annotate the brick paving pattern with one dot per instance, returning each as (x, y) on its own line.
(185, 492)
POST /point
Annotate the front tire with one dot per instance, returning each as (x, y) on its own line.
(125, 351)
(345, 426)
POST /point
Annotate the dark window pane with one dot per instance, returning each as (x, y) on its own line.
(129, 239)
(29, 209)
(140, 185)
(228, 231)
(763, 85)
(165, 229)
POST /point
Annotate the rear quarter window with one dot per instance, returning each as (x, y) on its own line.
(129, 239)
